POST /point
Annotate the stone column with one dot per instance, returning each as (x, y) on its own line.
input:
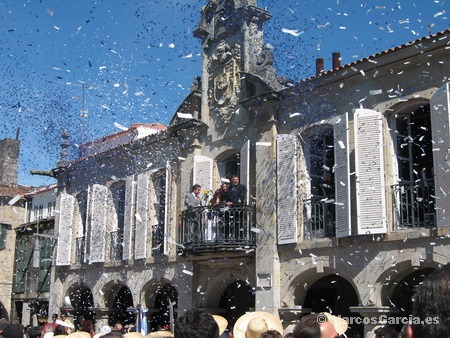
(374, 317)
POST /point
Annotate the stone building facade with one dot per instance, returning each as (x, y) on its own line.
(346, 206)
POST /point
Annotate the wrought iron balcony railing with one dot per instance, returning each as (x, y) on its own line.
(206, 227)
(319, 216)
(413, 204)
(116, 249)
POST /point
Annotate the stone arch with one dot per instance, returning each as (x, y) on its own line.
(80, 299)
(119, 301)
(230, 294)
(296, 290)
(3, 312)
(159, 298)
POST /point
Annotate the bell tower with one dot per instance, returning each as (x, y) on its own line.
(232, 44)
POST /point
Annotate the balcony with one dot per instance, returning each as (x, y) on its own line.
(413, 204)
(319, 216)
(206, 229)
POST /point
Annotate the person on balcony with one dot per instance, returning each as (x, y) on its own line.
(193, 202)
(192, 199)
(234, 218)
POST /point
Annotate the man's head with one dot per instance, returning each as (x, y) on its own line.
(63, 316)
(314, 326)
(431, 305)
(196, 189)
(386, 331)
(234, 180)
(8, 330)
(196, 323)
(54, 317)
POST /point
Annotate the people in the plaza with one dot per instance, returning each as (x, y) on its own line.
(196, 323)
(431, 306)
(192, 199)
(253, 324)
(221, 322)
(271, 334)
(34, 332)
(320, 325)
(10, 330)
(386, 331)
(69, 327)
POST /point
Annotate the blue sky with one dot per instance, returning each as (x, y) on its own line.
(137, 59)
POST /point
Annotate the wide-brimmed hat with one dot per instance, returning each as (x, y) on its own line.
(252, 324)
(133, 335)
(340, 324)
(79, 334)
(159, 334)
(221, 322)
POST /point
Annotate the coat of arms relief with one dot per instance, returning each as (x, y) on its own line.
(224, 80)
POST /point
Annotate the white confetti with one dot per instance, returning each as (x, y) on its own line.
(185, 115)
(14, 200)
(293, 32)
(118, 125)
(187, 272)
(294, 114)
(50, 12)
(263, 144)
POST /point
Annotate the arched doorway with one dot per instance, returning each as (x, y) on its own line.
(121, 307)
(82, 300)
(333, 294)
(237, 299)
(401, 298)
(165, 296)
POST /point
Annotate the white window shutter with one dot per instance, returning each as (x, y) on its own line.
(287, 189)
(369, 167)
(167, 207)
(342, 177)
(65, 224)
(244, 178)
(203, 166)
(99, 207)
(130, 197)
(440, 125)
(141, 217)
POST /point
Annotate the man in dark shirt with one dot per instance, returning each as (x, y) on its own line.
(236, 192)
(234, 219)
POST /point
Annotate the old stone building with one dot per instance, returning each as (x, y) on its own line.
(12, 214)
(347, 196)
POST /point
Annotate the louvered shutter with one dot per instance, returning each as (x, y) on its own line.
(167, 207)
(369, 167)
(342, 177)
(141, 217)
(97, 242)
(203, 166)
(440, 125)
(287, 189)
(65, 225)
(130, 197)
(244, 177)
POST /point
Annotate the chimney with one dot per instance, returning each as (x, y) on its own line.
(319, 66)
(336, 60)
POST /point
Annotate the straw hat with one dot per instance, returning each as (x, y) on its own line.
(133, 335)
(221, 322)
(340, 324)
(252, 324)
(159, 334)
(79, 334)
(60, 336)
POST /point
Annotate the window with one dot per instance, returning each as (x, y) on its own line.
(413, 195)
(118, 193)
(51, 209)
(45, 264)
(23, 253)
(3, 235)
(159, 228)
(82, 200)
(320, 208)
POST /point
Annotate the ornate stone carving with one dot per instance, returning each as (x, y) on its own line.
(224, 74)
